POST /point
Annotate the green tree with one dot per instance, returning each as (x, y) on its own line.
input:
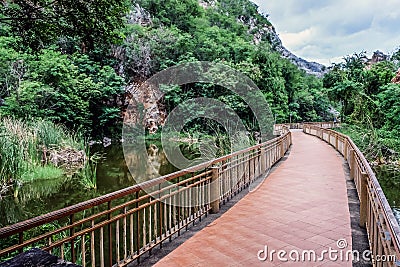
(389, 98)
(172, 12)
(380, 74)
(85, 23)
(73, 91)
(345, 93)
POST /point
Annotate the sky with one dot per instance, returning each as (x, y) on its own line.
(325, 31)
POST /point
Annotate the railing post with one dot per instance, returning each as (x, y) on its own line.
(337, 141)
(363, 199)
(110, 239)
(71, 234)
(282, 148)
(215, 200)
(263, 160)
(251, 167)
(21, 240)
(352, 164)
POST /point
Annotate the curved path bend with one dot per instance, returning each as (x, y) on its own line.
(302, 207)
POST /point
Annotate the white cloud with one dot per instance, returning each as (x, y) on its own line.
(298, 38)
(326, 30)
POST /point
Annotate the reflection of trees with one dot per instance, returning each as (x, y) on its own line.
(144, 166)
(42, 196)
(10, 211)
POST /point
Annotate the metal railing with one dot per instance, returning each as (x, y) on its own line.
(117, 228)
(375, 212)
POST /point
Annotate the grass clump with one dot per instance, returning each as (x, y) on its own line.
(26, 147)
(43, 173)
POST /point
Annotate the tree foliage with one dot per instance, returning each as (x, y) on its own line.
(85, 23)
(367, 99)
(68, 89)
(55, 59)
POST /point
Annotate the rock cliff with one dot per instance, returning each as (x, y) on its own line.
(312, 68)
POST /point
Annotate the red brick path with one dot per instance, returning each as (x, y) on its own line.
(302, 205)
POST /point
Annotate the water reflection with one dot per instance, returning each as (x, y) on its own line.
(389, 179)
(113, 173)
(40, 197)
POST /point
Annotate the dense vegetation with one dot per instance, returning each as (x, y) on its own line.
(224, 31)
(31, 150)
(59, 64)
(369, 103)
(69, 62)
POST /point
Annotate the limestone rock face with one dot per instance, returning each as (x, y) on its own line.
(143, 106)
(262, 32)
(396, 79)
(312, 68)
(378, 56)
(139, 16)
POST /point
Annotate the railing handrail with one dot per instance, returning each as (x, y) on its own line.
(275, 149)
(365, 166)
(149, 217)
(394, 226)
(62, 213)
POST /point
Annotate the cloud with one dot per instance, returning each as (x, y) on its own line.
(324, 31)
(298, 39)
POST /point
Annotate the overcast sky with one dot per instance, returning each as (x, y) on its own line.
(326, 30)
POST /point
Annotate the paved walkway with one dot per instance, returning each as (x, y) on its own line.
(301, 206)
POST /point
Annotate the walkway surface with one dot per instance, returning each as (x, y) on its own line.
(301, 207)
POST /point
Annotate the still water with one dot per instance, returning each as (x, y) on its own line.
(43, 196)
(389, 179)
(40, 197)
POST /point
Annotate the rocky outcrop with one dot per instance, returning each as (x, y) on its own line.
(143, 106)
(36, 257)
(312, 68)
(396, 79)
(140, 103)
(139, 16)
(378, 56)
(263, 32)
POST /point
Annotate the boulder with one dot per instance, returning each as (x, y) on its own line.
(36, 257)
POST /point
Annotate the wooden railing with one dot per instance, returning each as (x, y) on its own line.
(375, 212)
(119, 227)
(280, 128)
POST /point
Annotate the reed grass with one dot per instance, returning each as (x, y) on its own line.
(24, 146)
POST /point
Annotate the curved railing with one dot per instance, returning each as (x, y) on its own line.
(119, 227)
(375, 212)
(280, 128)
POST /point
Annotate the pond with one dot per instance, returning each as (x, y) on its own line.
(389, 179)
(40, 197)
